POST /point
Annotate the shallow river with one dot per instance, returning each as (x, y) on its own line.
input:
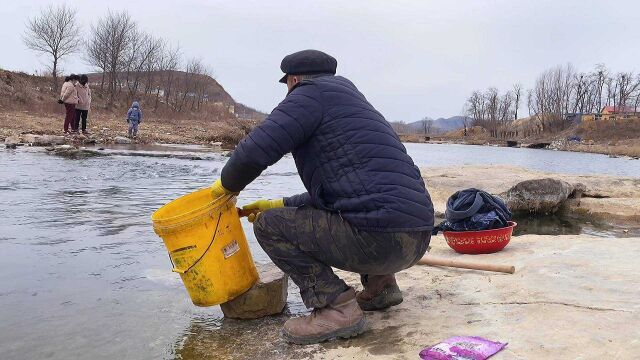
(84, 276)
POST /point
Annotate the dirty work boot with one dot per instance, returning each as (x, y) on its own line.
(380, 292)
(340, 319)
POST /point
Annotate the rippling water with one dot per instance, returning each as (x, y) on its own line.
(83, 275)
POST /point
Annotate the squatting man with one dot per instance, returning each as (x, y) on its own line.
(366, 209)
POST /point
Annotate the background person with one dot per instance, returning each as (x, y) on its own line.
(134, 118)
(69, 96)
(84, 102)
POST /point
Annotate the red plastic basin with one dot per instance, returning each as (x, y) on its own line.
(480, 242)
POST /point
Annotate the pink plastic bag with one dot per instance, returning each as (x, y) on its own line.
(462, 348)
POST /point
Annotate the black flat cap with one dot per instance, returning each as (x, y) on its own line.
(308, 62)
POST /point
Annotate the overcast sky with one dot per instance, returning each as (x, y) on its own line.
(410, 58)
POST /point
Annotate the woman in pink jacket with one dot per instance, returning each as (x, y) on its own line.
(84, 103)
(69, 96)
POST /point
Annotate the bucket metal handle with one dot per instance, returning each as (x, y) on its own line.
(181, 271)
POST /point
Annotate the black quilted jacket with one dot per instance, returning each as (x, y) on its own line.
(348, 156)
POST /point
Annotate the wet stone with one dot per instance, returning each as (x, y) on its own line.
(12, 141)
(121, 140)
(541, 196)
(43, 140)
(72, 152)
(267, 297)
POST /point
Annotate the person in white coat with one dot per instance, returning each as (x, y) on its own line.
(84, 103)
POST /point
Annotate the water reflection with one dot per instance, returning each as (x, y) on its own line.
(228, 339)
(547, 225)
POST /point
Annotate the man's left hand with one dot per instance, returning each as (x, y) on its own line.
(257, 207)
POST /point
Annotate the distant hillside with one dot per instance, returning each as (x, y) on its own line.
(196, 96)
(177, 90)
(440, 125)
(157, 79)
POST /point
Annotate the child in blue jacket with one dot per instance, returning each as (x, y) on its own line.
(134, 117)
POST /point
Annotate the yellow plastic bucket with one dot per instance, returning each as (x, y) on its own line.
(207, 246)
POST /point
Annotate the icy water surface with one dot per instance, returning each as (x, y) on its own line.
(84, 276)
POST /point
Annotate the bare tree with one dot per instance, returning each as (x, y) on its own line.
(465, 124)
(626, 84)
(97, 51)
(55, 32)
(139, 59)
(169, 61)
(517, 93)
(610, 90)
(116, 32)
(427, 125)
(194, 69)
(552, 97)
(147, 67)
(602, 74)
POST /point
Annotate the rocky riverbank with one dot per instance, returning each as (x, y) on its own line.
(20, 127)
(616, 148)
(571, 297)
(605, 197)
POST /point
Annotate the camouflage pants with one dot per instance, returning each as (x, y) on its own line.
(306, 242)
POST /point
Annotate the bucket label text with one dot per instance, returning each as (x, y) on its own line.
(230, 249)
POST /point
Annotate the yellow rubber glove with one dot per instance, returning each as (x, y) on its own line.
(217, 190)
(262, 205)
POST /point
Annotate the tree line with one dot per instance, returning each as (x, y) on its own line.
(558, 94)
(132, 62)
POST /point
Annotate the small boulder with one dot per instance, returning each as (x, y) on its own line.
(12, 141)
(542, 196)
(267, 297)
(121, 140)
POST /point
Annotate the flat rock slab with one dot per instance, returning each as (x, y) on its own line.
(43, 140)
(571, 297)
(72, 152)
(267, 297)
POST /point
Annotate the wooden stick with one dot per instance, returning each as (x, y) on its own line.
(436, 261)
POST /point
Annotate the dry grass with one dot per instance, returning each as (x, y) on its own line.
(629, 148)
(29, 105)
(107, 126)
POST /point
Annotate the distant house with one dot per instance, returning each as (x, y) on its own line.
(607, 113)
(589, 117)
(618, 112)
